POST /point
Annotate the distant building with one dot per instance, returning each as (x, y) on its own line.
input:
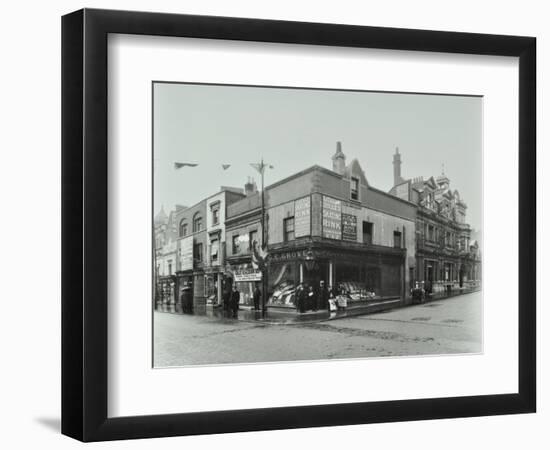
(166, 255)
(190, 248)
(446, 257)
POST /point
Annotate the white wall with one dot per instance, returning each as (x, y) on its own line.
(30, 333)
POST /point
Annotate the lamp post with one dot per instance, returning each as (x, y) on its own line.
(260, 167)
(310, 260)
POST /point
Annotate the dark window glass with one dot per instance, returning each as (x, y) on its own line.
(197, 252)
(183, 228)
(354, 189)
(367, 232)
(197, 224)
(288, 226)
(397, 239)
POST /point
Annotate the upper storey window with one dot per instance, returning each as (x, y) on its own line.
(354, 188)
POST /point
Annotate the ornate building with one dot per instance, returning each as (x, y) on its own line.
(447, 259)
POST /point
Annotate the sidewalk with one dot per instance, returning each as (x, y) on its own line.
(282, 317)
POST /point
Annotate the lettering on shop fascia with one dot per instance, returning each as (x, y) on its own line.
(287, 255)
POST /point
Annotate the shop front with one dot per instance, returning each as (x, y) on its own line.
(184, 281)
(362, 274)
(167, 286)
(246, 278)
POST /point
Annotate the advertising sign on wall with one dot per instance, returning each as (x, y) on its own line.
(302, 217)
(242, 275)
(186, 253)
(332, 218)
(349, 227)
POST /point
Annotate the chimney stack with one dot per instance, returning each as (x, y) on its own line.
(397, 167)
(339, 160)
(250, 187)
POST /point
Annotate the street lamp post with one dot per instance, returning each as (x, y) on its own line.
(264, 274)
(260, 167)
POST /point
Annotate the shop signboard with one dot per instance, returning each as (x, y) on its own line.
(332, 218)
(186, 253)
(302, 217)
(242, 275)
(349, 227)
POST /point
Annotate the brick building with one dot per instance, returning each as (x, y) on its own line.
(328, 225)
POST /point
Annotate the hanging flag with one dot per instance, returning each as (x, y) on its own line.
(259, 256)
(226, 166)
(178, 165)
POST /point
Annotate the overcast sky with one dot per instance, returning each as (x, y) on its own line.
(293, 129)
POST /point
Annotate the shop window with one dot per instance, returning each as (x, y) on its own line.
(214, 250)
(197, 252)
(288, 226)
(252, 236)
(397, 239)
(354, 192)
(183, 228)
(235, 244)
(367, 232)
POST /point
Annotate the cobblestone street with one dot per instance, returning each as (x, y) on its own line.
(444, 326)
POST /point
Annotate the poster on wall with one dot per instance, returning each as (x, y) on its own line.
(248, 274)
(349, 227)
(302, 217)
(186, 253)
(332, 218)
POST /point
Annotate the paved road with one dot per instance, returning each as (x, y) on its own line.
(441, 327)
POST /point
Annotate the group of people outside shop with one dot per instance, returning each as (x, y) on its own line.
(232, 298)
(310, 298)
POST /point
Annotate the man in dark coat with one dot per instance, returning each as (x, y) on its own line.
(322, 296)
(257, 297)
(186, 300)
(311, 299)
(235, 299)
(301, 298)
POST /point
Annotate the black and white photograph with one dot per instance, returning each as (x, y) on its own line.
(301, 224)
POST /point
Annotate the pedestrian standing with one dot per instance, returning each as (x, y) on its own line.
(257, 296)
(322, 296)
(227, 297)
(312, 299)
(235, 299)
(301, 298)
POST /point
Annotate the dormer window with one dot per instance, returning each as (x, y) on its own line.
(354, 188)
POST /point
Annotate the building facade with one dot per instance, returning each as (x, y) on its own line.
(214, 263)
(325, 225)
(447, 259)
(190, 249)
(319, 225)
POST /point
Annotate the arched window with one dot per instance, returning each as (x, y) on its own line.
(197, 223)
(183, 227)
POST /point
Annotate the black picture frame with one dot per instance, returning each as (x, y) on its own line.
(84, 224)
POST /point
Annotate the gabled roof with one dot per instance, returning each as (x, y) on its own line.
(354, 169)
(431, 182)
